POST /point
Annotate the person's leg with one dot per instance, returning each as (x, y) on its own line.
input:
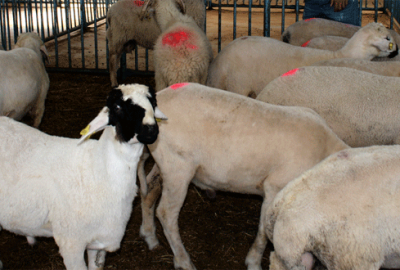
(350, 14)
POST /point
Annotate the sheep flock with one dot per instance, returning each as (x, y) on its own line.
(308, 124)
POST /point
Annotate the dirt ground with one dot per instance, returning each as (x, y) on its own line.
(217, 233)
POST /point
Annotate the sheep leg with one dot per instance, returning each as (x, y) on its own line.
(175, 186)
(113, 61)
(38, 110)
(148, 227)
(253, 258)
(72, 253)
(96, 259)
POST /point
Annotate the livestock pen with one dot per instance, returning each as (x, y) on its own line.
(216, 232)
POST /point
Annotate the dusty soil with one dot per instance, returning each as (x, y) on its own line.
(217, 233)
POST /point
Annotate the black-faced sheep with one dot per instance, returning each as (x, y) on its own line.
(78, 191)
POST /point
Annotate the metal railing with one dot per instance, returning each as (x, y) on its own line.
(74, 30)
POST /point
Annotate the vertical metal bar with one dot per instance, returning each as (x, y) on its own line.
(96, 55)
(234, 19)
(41, 19)
(15, 20)
(249, 24)
(8, 26)
(107, 60)
(3, 9)
(391, 14)
(55, 29)
(267, 9)
(67, 16)
(49, 18)
(83, 25)
(297, 10)
(283, 16)
(219, 25)
(376, 11)
(147, 60)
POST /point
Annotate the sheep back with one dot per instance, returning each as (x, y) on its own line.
(345, 211)
(360, 107)
(232, 137)
(384, 68)
(181, 54)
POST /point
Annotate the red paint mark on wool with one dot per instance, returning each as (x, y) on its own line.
(138, 3)
(306, 43)
(178, 38)
(178, 85)
(290, 73)
(307, 20)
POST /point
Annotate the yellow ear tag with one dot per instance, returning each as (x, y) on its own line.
(85, 131)
(390, 45)
(158, 119)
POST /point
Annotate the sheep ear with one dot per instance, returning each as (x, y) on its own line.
(159, 115)
(97, 124)
(144, 9)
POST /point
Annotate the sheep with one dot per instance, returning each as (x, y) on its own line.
(248, 64)
(25, 81)
(344, 212)
(360, 107)
(384, 68)
(219, 140)
(331, 43)
(78, 191)
(327, 34)
(182, 52)
(128, 27)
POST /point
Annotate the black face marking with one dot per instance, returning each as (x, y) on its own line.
(128, 119)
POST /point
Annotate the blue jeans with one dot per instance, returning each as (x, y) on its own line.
(323, 9)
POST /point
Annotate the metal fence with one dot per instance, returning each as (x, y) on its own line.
(74, 30)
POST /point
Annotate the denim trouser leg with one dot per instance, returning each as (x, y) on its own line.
(322, 9)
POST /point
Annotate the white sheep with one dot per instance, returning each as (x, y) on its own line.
(361, 108)
(182, 52)
(328, 35)
(79, 192)
(248, 64)
(24, 80)
(129, 26)
(384, 68)
(222, 141)
(345, 212)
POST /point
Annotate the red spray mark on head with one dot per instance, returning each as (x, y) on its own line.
(306, 43)
(307, 20)
(178, 85)
(290, 72)
(138, 3)
(178, 38)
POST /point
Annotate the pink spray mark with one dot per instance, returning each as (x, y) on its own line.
(306, 43)
(178, 38)
(307, 20)
(290, 72)
(138, 3)
(178, 85)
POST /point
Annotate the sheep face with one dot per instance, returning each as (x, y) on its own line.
(132, 110)
(383, 41)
